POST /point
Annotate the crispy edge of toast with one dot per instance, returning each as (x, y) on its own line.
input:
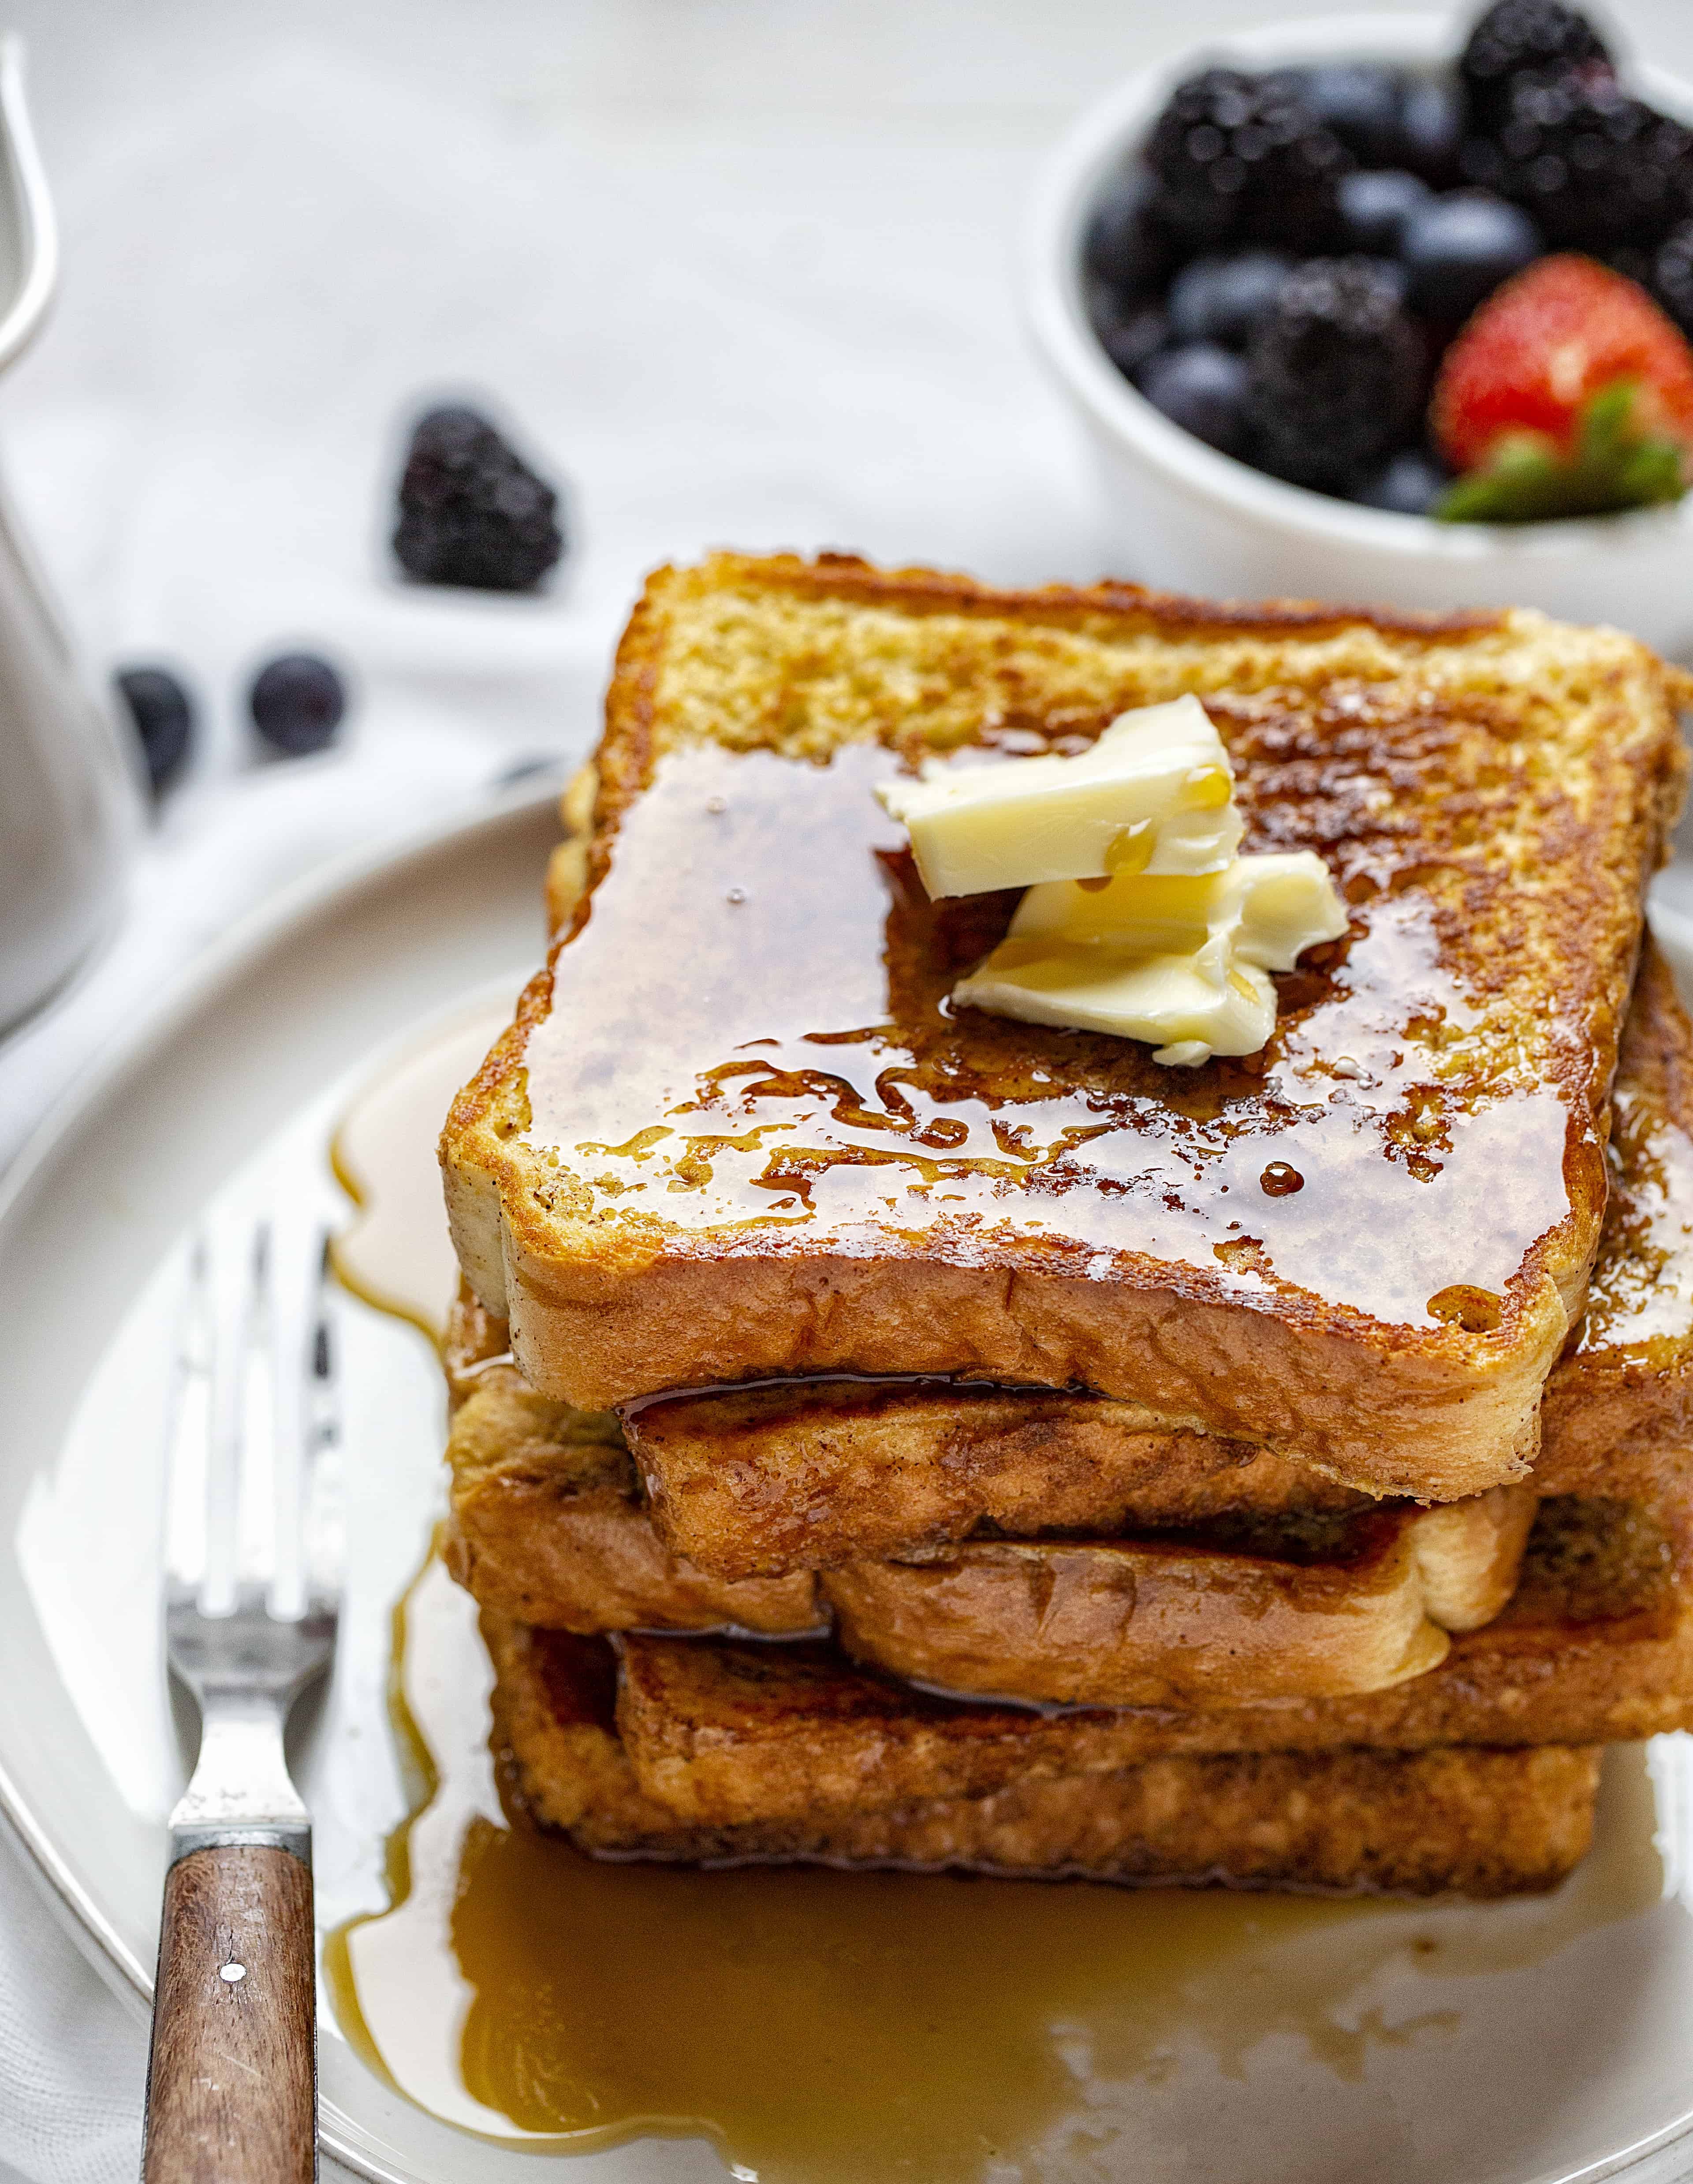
(1617, 1413)
(1595, 1647)
(546, 1523)
(1189, 1623)
(1477, 1822)
(609, 1315)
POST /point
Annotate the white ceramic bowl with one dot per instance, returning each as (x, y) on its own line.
(1182, 516)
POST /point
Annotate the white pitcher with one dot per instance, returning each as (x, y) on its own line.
(69, 795)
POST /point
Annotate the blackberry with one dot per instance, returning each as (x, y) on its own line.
(471, 511)
(1672, 276)
(1595, 167)
(1243, 157)
(1539, 40)
(1336, 372)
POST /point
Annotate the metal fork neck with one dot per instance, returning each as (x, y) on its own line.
(240, 1791)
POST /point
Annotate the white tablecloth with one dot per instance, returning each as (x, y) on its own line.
(742, 273)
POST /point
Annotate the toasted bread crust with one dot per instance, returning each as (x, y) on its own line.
(547, 1524)
(815, 1474)
(1317, 1611)
(1596, 1646)
(1481, 1822)
(1617, 1416)
(1577, 728)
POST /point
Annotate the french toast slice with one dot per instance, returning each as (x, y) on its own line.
(734, 1133)
(1481, 1823)
(1281, 1608)
(547, 1524)
(773, 1482)
(769, 1479)
(1595, 1647)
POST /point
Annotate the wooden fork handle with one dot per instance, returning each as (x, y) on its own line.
(232, 2093)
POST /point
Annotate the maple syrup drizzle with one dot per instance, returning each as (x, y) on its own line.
(751, 1034)
(821, 2027)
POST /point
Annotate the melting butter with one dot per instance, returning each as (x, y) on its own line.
(1154, 793)
(1182, 963)
(1140, 920)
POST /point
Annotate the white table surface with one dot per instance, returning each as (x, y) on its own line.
(742, 270)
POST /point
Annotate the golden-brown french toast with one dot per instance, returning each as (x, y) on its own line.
(767, 1482)
(1285, 1607)
(1617, 1416)
(1481, 1823)
(808, 1474)
(735, 1131)
(1595, 1647)
(547, 1524)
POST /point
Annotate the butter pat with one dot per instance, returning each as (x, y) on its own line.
(1155, 794)
(1180, 961)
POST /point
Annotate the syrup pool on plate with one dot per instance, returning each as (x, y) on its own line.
(820, 2026)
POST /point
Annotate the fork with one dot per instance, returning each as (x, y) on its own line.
(252, 1588)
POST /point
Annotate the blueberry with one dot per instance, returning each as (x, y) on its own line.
(1374, 206)
(1362, 104)
(1431, 127)
(1131, 338)
(1203, 389)
(163, 716)
(1124, 248)
(1222, 299)
(1408, 484)
(1458, 249)
(297, 702)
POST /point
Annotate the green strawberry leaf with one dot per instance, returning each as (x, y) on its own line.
(1614, 465)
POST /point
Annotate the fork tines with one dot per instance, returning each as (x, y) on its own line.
(253, 1516)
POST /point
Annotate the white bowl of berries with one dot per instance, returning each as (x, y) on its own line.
(1389, 308)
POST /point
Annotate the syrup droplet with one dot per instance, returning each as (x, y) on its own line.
(1131, 850)
(1279, 1180)
(1209, 787)
(1478, 1311)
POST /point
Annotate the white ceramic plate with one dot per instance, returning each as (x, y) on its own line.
(1555, 2045)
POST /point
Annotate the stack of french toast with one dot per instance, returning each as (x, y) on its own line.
(890, 1430)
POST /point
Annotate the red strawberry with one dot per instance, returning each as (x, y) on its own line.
(1569, 392)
